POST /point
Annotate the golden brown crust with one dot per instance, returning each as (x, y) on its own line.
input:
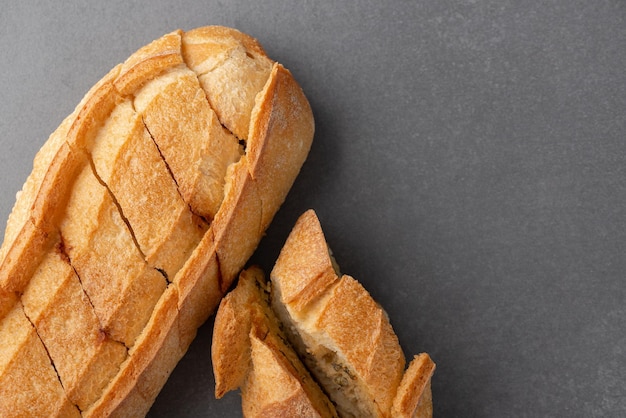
(414, 397)
(128, 162)
(241, 212)
(31, 226)
(121, 286)
(232, 68)
(281, 126)
(202, 36)
(305, 263)
(7, 301)
(85, 358)
(250, 352)
(230, 350)
(198, 150)
(148, 62)
(344, 336)
(180, 311)
(20, 215)
(68, 184)
(28, 383)
(199, 290)
(274, 388)
(361, 332)
(142, 375)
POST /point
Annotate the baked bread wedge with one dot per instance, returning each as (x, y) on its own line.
(250, 351)
(342, 334)
(141, 210)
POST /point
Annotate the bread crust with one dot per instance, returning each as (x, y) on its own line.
(188, 134)
(344, 336)
(85, 357)
(274, 387)
(230, 348)
(129, 163)
(305, 259)
(121, 286)
(250, 351)
(194, 284)
(219, 56)
(23, 392)
(414, 396)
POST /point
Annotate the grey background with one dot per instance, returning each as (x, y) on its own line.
(468, 168)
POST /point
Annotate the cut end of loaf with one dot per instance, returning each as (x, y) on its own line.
(250, 351)
(342, 334)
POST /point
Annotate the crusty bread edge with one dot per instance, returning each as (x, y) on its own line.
(160, 346)
(413, 397)
(246, 336)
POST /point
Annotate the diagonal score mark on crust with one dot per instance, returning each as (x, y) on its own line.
(167, 166)
(169, 170)
(129, 163)
(122, 287)
(198, 73)
(47, 353)
(281, 134)
(240, 215)
(141, 376)
(124, 218)
(63, 253)
(232, 68)
(93, 112)
(85, 356)
(28, 380)
(117, 205)
(220, 271)
(192, 142)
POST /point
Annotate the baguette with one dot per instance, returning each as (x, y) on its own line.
(141, 209)
(342, 334)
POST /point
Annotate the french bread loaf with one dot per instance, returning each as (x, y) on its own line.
(140, 211)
